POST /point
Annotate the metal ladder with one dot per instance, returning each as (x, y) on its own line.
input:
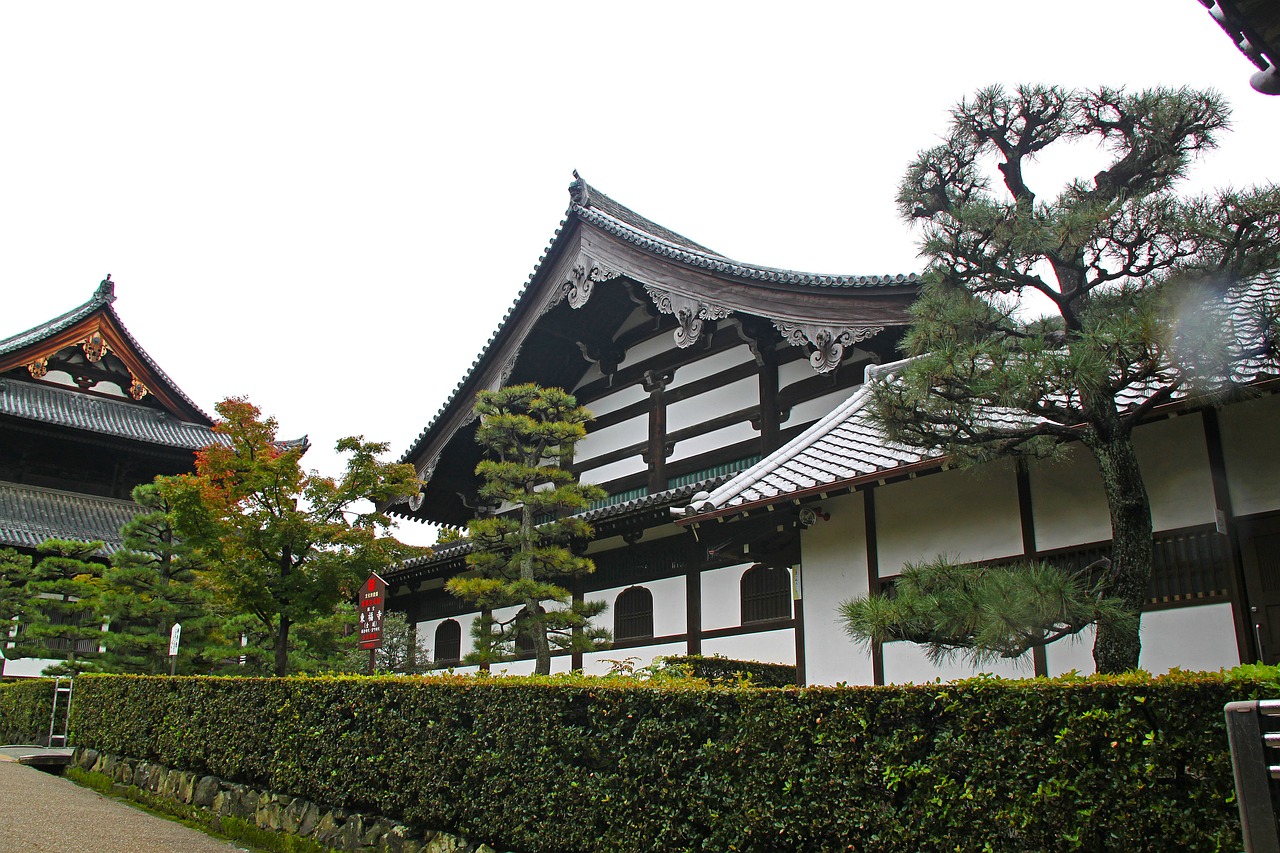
(60, 692)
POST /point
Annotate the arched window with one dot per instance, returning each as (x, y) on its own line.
(633, 614)
(448, 642)
(766, 594)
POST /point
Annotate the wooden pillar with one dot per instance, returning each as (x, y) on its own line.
(576, 654)
(1027, 519)
(873, 574)
(1241, 618)
(797, 614)
(769, 414)
(693, 610)
(656, 457)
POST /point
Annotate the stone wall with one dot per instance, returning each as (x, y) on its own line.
(340, 829)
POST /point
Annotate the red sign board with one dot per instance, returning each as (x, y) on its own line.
(372, 595)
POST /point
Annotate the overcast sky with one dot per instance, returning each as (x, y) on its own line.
(328, 207)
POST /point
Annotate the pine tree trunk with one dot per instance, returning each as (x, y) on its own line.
(538, 628)
(1117, 650)
(282, 646)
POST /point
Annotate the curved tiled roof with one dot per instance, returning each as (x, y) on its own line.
(102, 300)
(67, 408)
(670, 497)
(29, 515)
(591, 206)
(848, 444)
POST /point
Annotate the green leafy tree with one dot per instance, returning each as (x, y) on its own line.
(402, 651)
(522, 553)
(985, 613)
(15, 571)
(60, 607)
(1108, 264)
(283, 545)
(151, 584)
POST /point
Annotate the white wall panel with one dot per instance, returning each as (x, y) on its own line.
(614, 470)
(905, 663)
(968, 515)
(711, 365)
(795, 371)
(668, 605)
(651, 348)
(1175, 467)
(598, 663)
(713, 441)
(1071, 653)
(1196, 638)
(713, 403)
(601, 441)
(765, 647)
(722, 597)
(1251, 445)
(833, 569)
(1067, 501)
(811, 410)
(615, 400)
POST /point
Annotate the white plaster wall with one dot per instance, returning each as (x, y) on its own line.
(598, 442)
(648, 349)
(1196, 638)
(668, 605)
(598, 663)
(969, 515)
(833, 569)
(713, 441)
(1251, 439)
(711, 365)
(1071, 653)
(713, 403)
(26, 667)
(765, 647)
(905, 663)
(1067, 501)
(811, 410)
(1175, 467)
(427, 633)
(614, 470)
(722, 597)
(615, 400)
(795, 371)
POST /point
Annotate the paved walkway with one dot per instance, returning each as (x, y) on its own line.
(40, 812)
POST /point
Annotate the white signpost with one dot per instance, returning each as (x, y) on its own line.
(174, 635)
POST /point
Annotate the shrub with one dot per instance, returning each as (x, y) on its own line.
(580, 764)
(720, 670)
(25, 707)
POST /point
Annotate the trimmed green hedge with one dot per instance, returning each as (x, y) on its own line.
(720, 670)
(575, 764)
(25, 707)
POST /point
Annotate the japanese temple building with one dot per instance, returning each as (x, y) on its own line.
(749, 495)
(85, 415)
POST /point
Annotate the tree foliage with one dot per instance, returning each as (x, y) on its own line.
(151, 584)
(1046, 320)
(984, 613)
(284, 545)
(59, 606)
(523, 553)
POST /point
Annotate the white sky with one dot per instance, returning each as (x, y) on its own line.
(329, 207)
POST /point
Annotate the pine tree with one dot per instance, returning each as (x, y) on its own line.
(152, 584)
(15, 571)
(523, 553)
(61, 607)
(1111, 261)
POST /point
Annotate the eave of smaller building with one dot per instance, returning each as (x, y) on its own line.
(31, 514)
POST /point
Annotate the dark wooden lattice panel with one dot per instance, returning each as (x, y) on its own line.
(766, 594)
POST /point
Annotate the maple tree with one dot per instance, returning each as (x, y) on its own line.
(283, 545)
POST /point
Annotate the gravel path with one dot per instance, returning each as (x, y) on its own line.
(40, 812)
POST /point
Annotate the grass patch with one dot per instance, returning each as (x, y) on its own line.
(225, 827)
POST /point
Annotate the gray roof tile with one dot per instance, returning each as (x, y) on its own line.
(848, 444)
(29, 515)
(69, 408)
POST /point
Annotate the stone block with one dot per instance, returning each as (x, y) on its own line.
(206, 789)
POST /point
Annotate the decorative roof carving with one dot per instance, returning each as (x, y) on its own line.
(690, 313)
(828, 342)
(582, 279)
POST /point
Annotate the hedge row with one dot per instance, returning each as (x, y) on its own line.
(25, 707)
(720, 670)
(574, 764)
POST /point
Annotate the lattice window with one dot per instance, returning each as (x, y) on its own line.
(633, 614)
(766, 594)
(448, 642)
